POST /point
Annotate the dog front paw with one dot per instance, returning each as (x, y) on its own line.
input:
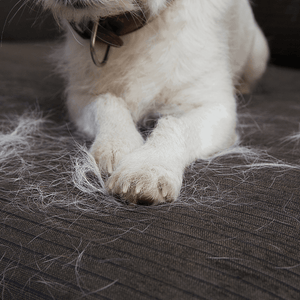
(142, 182)
(108, 153)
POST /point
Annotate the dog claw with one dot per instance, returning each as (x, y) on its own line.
(138, 189)
(111, 184)
(164, 193)
(109, 168)
(125, 188)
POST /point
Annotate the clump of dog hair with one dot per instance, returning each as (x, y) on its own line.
(41, 165)
(45, 164)
(46, 167)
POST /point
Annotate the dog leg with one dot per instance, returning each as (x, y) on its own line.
(117, 135)
(256, 64)
(109, 121)
(153, 173)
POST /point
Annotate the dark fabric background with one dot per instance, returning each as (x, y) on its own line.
(233, 234)
(23, 21)
(279, 19)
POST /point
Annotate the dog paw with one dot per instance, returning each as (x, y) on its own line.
(145, 182)
(108, 153)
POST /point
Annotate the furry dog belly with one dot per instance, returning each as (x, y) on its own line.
(184, 64)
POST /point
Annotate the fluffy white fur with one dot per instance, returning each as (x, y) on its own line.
(184, 64)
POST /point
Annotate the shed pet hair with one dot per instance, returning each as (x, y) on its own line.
(44, 164)
(45, 167)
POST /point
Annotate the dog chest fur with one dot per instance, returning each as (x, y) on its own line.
(172, 52)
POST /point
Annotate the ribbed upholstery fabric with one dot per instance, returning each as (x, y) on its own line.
(233, 234)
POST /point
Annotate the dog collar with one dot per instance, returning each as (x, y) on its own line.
(108, 31)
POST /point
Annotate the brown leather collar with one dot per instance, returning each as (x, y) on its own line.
(108, 31)
(111, 28)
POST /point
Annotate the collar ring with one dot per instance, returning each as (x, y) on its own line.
(94, 56)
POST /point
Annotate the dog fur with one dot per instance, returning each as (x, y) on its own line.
(185, 65)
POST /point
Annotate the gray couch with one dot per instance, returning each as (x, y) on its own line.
(233, 234)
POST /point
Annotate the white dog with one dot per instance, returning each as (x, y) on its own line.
(182, 59)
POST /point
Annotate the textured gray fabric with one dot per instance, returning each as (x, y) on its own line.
(25, 21)
(279, 19)
(233, 234)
